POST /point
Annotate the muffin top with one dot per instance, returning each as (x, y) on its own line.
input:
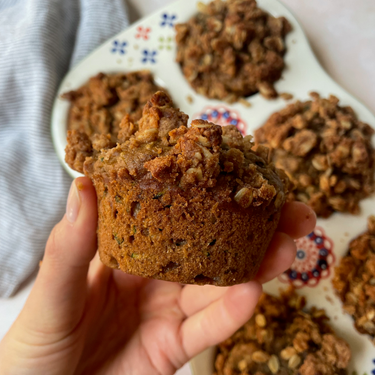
(99, 106)
(354, 280)
(232, 49)
(160, 151)
(283, 337)
(325, 150)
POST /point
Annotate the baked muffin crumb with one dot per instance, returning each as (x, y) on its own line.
(98, 106)
(354, 280)
(325, 150)
(283, 337)
(232, 49)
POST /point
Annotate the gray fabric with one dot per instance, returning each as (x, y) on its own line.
(39, 41)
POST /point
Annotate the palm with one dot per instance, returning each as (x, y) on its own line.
(129, 317)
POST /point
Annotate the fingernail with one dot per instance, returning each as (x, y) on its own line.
(74, 203)
(311, 214)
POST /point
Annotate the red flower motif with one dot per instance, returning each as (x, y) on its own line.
(222, 115)
(142, 32)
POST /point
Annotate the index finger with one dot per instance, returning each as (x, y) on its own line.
(297, 220)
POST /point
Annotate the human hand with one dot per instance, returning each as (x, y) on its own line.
(84, 318)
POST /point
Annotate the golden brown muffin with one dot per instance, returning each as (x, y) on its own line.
(325, 151)
(354, 280)
(195, 205)
(232, 49)
(99, 106)
(284, 338)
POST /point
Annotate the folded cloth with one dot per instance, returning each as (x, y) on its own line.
(39, 41)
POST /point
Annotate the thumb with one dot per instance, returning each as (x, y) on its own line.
(57, 300)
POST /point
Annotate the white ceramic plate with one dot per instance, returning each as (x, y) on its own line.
(149, 44)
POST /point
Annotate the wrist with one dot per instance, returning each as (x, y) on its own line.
(20, 355)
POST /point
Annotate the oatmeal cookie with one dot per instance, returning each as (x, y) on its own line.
(99, 106)
(194, 205)
(232, 49)
(354, 281)
(283, 338)
(325, 151)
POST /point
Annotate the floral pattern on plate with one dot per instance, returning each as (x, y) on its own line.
(168, 20)
(119, 47)
(222, 115)
(143, 33)
(314, 260)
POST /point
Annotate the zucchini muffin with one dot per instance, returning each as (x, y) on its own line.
(325, 150)
(194, 205)
(99, 106)
(284, 338)
(354, 281)
(232, 49)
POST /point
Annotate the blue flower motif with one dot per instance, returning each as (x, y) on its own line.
(234, 122)
(204, 117)
(168, 20)
(318, 240)
(149, 55)
(322, 264)
(301, 254)
(119, 47)
(315, 272)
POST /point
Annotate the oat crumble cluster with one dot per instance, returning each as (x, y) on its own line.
(354, 280)
(325, 151)
(283, 338)
(99, 106)
(232, 49)
(194, 205)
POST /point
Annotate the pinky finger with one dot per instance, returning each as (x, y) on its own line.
(220, 319)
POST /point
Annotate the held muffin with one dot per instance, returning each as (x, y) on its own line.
(193, 205)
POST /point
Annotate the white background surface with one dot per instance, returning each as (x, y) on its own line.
(342, 34)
